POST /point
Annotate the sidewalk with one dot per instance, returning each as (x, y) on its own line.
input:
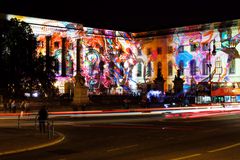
(16, 140)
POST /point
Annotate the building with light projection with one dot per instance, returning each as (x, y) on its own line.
(206, 54)
(117, 62)
(107, 58)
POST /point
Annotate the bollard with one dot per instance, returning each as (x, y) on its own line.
(18, 121)
(52, 129)
(49, 130)
(36, 122)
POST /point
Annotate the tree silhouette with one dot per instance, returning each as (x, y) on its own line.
(22, 71)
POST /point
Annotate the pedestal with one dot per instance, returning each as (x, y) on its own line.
(80, 95)
(80, 92)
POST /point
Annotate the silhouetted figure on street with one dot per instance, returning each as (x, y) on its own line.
(42, 118)
(13, 106)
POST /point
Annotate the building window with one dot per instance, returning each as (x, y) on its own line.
(71, 46)
(111, 68)
(160, 66)
(149, 69)
(193, 67)
(56, 45)
(70, 67)
(232, 67)
(159, 50)
(180, 49)
(40, 43)
(139, 51)
(139, 69)
(169, 87)
(56, 66)
(204, 67)
(122, 69)
(194, 47)
(205, 47)
(149, 52)
(225, 34)
(170, 68)
(233, 43)
(181, 67)
(170, 49)
(218, 65)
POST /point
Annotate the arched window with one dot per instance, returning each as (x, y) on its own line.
(149, 69)
(122, 69)
(169, 87)
(56, 66)
(111, 68)
(160, 65)
(181, 67)
(139, 69)
(170, 68)
(101, 66)
(139, 51)
(204, 67)
(232, 67)
(218, 65)
(70, 67)
(193, 67)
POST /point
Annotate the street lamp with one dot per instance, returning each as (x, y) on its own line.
(210, 65)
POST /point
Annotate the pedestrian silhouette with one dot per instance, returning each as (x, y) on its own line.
(42, 118)
(13, 106)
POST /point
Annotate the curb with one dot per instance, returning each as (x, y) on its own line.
(58, 140)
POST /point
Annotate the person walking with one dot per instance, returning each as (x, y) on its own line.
(13, 106)
(42, 118)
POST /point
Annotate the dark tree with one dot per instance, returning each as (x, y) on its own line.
(45, 75)
(20, 68)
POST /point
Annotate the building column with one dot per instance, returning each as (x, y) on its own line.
(64, 57)
(48, 50)
(79, 47)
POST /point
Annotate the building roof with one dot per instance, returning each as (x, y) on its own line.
(125, 15)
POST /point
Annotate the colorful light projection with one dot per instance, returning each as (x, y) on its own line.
(108, 61)
(107, 57)
(192, 50)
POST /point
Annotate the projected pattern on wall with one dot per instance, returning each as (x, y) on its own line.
(192, 49)
(107, 57)
(112, 59)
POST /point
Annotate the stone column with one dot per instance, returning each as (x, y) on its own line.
(79, 47)
(64, 57)
(48, 50)
(80, 98)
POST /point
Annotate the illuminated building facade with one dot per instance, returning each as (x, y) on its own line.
(206, 55)
(116, 62)
(106, 57)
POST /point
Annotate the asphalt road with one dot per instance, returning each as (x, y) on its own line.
(149, 138)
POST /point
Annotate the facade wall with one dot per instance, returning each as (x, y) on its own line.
(107, 57)
(155, 51)
(191, 49)
(116, 61)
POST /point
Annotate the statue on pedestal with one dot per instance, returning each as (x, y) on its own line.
(159, 81)
(80, 90)
(178, 83)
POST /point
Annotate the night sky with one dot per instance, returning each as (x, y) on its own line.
(126, 15)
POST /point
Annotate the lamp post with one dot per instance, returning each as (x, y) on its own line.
(210, 65)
